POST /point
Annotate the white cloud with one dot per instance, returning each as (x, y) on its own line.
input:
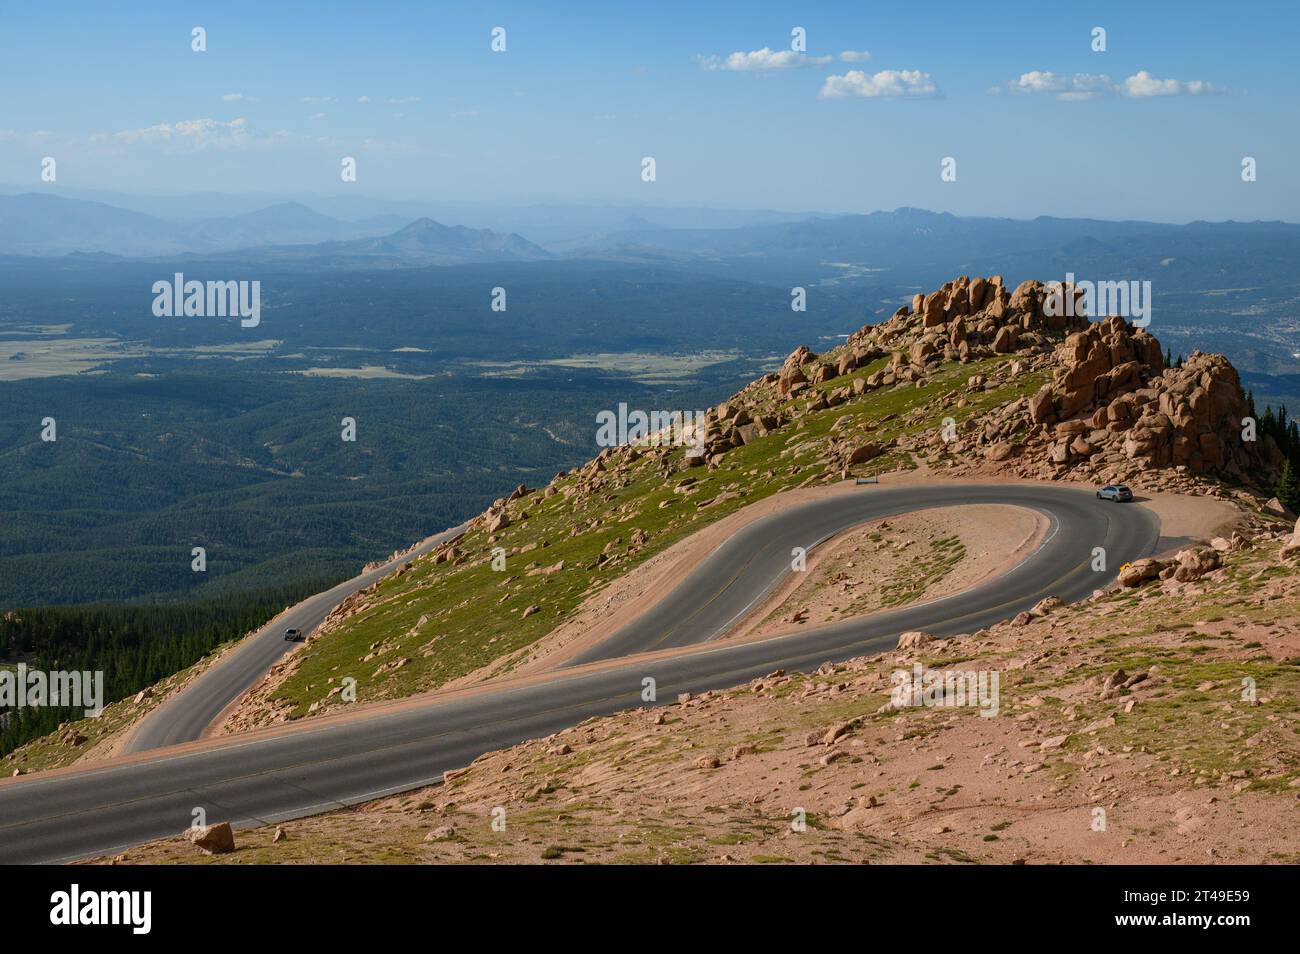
(318, 99)
(1075, 87)
(855, 56)
(400, 100)
(760, 61)
(1067, 86)
(1142, 84)
(316, 116)
(887, 84)
(36, 137)
(363, 99)
(237, 98)
(191, 135)
(464, 114)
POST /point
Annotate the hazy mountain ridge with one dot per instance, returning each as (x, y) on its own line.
(1227, 286)
(422, 242)
(50, 225)
(756, 245)
(47, 225)
(908, 235)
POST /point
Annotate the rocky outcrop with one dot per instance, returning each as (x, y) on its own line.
(1097, 365)
(973, 317)
(1111, 411)
(1113, 397)
(791, 378)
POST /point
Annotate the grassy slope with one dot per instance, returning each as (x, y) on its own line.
(475, 614)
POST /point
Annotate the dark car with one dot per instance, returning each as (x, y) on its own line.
(1116, 492)
(292, 634)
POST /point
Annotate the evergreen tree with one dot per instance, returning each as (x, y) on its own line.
(1288, 488)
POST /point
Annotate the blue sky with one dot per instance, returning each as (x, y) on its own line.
(1013, 92)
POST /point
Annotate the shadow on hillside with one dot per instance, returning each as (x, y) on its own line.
(1173, 544)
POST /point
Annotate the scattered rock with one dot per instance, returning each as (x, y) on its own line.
(1139, 571)
(216, 839)
(914, 639)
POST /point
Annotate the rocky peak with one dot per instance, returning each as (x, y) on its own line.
(1112, 410)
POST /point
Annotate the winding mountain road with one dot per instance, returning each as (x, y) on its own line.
(187, 715)
(274, 775)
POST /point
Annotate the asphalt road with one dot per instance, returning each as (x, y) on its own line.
(740, 573)
(185, 716)
(282, 776)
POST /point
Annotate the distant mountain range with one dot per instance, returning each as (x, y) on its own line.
(423, 242)
(909, 245)
(905, 234)
(557, 226)
(49, 225)
(35, 224)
